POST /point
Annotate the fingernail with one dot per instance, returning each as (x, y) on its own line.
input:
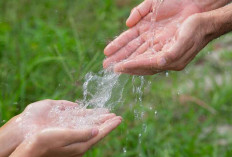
(120, 117)
(94, 132)
(162, 62)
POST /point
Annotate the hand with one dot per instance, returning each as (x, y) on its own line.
(146, 39)
(146, 32)
(175, 55)
(58, 142)
(56, 120)
(61, 113)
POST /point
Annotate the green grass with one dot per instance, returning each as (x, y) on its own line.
(47, 47)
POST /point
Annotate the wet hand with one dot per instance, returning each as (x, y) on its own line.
(141, 49)
(176, 54)
(55, 120)
(147, 35)
(61, 142)
(59, 113)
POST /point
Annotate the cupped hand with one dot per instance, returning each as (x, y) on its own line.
(60, 113)
(147, 31)
(61, 128)
(63, 142)
(176, 54)
(148, 35)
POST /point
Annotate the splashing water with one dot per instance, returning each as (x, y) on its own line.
(98, 88)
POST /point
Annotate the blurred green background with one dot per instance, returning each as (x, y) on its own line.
(47, 47)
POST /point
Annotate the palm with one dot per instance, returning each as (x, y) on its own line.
(62, 128)
(59, 114)
(147, 37)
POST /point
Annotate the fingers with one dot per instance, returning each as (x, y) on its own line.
(143, 48)
(60, 137)
(185, 59)
(124, 52)
(106, 128)
(140, 62)
(139, 12)
(102, 118)
(174, 53)
(147, 64)
(121, 41)
(82, 135)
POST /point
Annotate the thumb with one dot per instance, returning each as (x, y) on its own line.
(62, 137)
(139, 12)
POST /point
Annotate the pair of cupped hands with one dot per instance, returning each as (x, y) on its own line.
(168, 42)
(178, 33)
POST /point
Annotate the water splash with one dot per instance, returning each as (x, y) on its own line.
(102, 90)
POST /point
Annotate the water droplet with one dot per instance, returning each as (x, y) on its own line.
(179, 92)
(124, 149)
(156, 114)
(166, 73)
(144, 127)
(140, 138)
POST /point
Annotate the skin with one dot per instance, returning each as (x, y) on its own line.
(34, 133)
(149, 47)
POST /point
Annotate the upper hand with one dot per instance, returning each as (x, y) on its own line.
(147, 38)
(175, 55)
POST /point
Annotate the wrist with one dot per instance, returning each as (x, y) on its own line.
(29, 148)
(10, 137)
(208, 5)
(219, 21)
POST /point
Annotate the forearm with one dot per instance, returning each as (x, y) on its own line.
(221, 20)
(9, 138)
(208, 5)
(26, 149)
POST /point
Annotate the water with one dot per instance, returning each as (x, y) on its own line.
(155, 10)
(98, 89)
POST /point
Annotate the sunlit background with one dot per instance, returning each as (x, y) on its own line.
(48, 46)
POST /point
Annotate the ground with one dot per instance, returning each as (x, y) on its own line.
(47, 47)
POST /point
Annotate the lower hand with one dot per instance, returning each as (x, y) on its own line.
(48, 125)
(60, 142)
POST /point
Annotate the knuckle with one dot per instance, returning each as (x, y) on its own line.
(172, 57)
(39, 139)
(84, 148)
(180, 67)
(128, 48)
(132, 10)
(183, 38)
(78, 150)
(144, 37)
